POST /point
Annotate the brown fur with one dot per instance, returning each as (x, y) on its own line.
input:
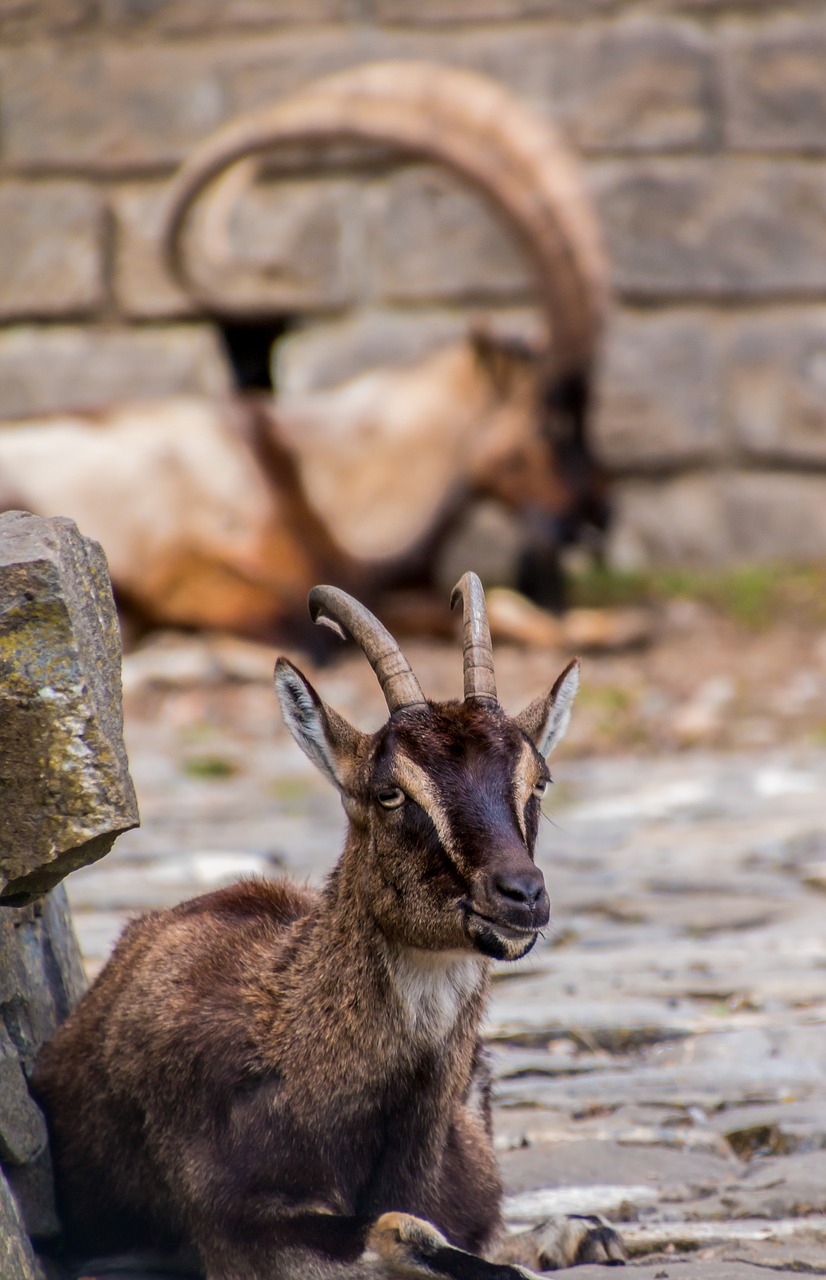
(263, 1073)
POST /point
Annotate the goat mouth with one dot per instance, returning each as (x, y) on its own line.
(507, 930)
(496, 939)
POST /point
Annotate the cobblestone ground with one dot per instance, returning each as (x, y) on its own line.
(661, 1056)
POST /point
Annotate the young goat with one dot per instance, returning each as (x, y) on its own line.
(281, 1083)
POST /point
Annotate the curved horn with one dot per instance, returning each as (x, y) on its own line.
(462, 120)
(480, 681)
(335, 609)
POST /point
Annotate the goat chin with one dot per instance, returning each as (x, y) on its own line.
(499, 941)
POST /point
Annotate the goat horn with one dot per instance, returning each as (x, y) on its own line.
(469, 124)
(480, 681)
(335, 609)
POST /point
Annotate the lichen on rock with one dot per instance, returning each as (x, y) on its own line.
(64, 778)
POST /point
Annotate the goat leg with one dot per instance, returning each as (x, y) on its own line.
(396, 1246)
(563, 1241)
(409, 1247)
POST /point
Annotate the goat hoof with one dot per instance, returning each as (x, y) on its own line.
(564, 1242)
(394, 1236)
(576, 1239)
(410, 1247)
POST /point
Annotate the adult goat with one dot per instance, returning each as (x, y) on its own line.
(528, 406)
(223, 514)
(284, 1083)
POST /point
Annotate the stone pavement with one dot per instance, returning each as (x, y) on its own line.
(661, 1055)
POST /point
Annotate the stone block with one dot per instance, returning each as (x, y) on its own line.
(742, 8)
(259, 73)
(677, 521)
(659, 393)
(41, 979)
(9, 967)
(17, 1260)
(641, 84)
(50, 369)
(22, 1127)
(193, 17)
(63, 769)
(121, 107)
(41, 959)
(486, 539)
(63, 961)
(776, 516)
(51, 249)
(432, 238)
(106, 107)
(717, 519)
(322, 355)
(292, 246)
(29, 19)
(115, 107)
(775, 380)
(325, 353)
(453, 12)
(143, 286)
(727, 228)
(32, 1185)
(774, 84)
(303, 240)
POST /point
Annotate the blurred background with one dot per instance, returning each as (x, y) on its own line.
(698, 129)
(597, 375)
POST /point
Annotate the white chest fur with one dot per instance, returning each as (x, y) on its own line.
(432, 988)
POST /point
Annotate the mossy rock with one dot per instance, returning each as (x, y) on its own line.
(64, 777)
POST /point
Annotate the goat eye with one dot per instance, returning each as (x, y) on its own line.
(540, 788)
(391, 797)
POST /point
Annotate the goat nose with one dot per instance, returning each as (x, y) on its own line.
(524, 887)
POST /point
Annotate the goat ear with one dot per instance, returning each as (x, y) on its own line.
(545, 720)
(323, 735)
(492, 358)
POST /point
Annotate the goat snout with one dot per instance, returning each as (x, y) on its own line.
(514, 896)
(508, 909)
(524, 887)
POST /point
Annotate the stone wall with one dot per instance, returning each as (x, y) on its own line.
(702, 124)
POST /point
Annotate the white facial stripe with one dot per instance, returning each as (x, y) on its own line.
(524, 780)
(420, 787)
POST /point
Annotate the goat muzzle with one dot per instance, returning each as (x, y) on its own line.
(508, 910)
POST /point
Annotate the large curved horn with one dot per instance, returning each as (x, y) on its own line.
(462, 120)
(480, 681)
(335, 609)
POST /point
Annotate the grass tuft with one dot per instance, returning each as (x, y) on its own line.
(753, 595)
(208, 767)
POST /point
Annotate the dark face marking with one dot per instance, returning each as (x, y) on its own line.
(460, 846)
